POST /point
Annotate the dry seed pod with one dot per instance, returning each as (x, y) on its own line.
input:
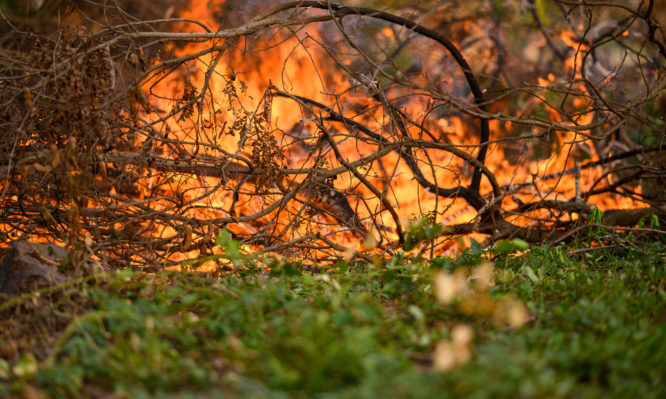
(209, 233)
(55, 161)
(142, 58)
(142, 99)
(132, 59)
(27, 97)
(101, 166)
(187, 243)
(39, 168)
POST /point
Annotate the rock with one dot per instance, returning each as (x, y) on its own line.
(28, 263)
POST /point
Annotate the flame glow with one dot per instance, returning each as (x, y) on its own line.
(222, 107)
(298, 65)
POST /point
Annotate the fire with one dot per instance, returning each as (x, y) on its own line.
(313, 140)
(299, 64)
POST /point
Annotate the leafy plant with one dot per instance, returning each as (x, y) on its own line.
(594, 328)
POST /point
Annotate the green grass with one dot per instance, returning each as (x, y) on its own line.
(597, 328)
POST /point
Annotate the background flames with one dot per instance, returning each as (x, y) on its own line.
(208, 113)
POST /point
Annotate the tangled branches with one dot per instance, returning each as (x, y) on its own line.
(315, 126)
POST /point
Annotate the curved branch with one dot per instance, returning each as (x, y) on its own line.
(341, 11)
(473, 198)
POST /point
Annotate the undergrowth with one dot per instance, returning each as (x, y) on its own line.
(596, 327)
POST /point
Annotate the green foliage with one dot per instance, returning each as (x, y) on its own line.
(541, 11)
(419, 231)
(506, 247)
(596, 329)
